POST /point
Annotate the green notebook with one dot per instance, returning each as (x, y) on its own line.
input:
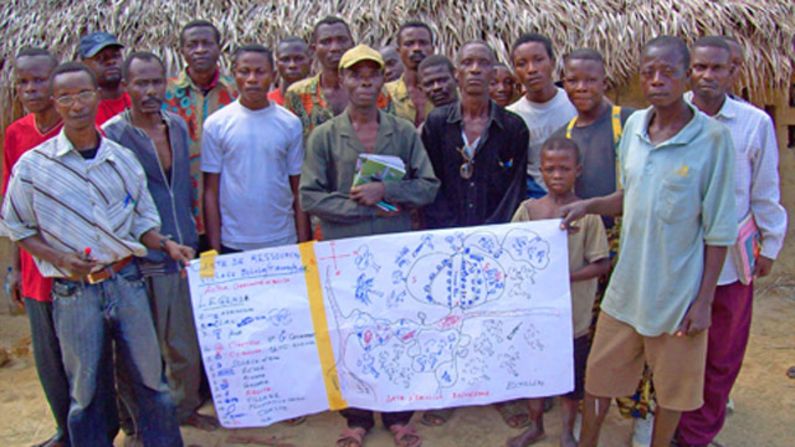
(379, 168)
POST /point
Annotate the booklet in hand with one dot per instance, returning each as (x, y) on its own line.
(379, 168)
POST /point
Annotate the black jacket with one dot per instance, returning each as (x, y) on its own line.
(498, 183)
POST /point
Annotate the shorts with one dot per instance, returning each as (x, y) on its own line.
(582, 345)
(618, 354)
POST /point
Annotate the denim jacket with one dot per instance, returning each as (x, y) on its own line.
(173, 199)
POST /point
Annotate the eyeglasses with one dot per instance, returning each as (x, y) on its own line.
(69, 100)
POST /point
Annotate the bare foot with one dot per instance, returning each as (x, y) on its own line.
(514, 413)
(567, 440)
(202, 422)
(528, 437)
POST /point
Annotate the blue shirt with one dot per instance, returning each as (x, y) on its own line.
(678, 197)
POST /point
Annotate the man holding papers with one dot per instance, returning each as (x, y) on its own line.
(356, 141)
(373, 147)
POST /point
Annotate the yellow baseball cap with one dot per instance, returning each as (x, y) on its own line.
(361, 53)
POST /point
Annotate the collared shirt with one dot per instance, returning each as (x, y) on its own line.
(756, 180)
(21, 136)
(74, 203)
(305, 99)
(332, 154)
(194, 105)
(498, 183)
(404, 106)
(678, 197)
(172, 192)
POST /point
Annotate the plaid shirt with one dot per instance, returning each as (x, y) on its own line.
(74, 203)
(194, 105)
(305, 99)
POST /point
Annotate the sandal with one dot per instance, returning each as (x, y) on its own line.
(351, 437)
(436, 418)
(406, 436)
(514, 413)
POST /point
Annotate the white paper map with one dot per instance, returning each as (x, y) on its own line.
(420, 320)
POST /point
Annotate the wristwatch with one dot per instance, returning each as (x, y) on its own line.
(163, 241)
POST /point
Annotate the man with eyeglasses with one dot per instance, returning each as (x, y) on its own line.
(101, 52)
(477, 148)
(79, 204)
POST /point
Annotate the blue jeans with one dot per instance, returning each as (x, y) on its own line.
(87, 317)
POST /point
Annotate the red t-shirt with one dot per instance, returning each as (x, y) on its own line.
(276, 96)
(21, 136)
(108, 108)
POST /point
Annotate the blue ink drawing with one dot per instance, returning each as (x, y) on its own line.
(364, 287)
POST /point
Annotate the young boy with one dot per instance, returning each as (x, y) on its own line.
(588, 260)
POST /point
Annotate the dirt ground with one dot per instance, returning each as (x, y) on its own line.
(764, 397)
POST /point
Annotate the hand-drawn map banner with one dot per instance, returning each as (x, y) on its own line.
(420, 320)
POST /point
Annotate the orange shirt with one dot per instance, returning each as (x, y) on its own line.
(276, 96)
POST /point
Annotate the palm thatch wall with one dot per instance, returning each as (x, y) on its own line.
(618, 28)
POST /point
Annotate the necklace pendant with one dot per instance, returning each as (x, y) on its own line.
(466, 170)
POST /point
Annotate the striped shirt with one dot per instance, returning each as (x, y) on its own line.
(73, 203)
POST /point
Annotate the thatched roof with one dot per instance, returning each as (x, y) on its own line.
(618, 28)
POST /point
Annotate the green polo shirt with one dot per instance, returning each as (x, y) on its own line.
(330, 164)
(678, 196)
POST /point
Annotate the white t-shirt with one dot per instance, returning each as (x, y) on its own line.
(542, 120)
(255, 152)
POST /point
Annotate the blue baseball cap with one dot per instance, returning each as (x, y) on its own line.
(93, 43)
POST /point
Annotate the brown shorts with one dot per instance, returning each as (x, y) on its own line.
(618, 353)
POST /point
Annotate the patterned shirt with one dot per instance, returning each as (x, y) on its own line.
(305, 99)
(74, 203)
(194, 105)
(404, 106)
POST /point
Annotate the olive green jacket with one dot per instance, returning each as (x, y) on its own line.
(332, 152)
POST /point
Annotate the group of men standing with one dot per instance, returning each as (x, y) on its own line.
(207, 161)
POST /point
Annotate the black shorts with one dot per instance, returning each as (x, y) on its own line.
(582, 346)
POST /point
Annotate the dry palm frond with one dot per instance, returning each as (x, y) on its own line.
(617, 28)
